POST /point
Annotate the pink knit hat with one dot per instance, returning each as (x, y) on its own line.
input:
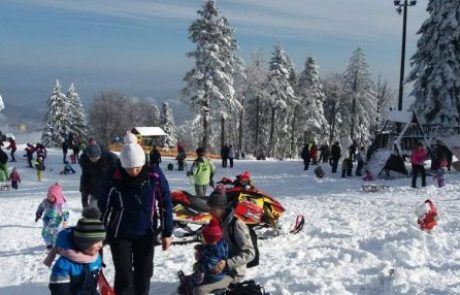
(56, 191)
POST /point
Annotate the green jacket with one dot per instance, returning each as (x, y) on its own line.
(203, 170)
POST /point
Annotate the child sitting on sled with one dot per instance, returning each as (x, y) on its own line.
(207, 255)
(368, 176)
(54, 213)
(14, 178)
(78, 268)
(67, 169)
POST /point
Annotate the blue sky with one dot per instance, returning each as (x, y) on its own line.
(138, 46)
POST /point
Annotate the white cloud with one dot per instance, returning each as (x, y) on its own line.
(361, 20)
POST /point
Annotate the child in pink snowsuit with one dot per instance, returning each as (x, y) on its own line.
(54, 213)
(14, 178)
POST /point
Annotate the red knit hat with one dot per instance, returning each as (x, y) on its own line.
(212, 232)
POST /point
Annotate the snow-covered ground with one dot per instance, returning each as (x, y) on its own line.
(351, 243)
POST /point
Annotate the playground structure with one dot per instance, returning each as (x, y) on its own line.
(398, 137)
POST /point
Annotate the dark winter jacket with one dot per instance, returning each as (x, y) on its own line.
(336, 152)
(41, 151)
(94, 175)
(3, 157)
(305, 154)
(224, 152)
(71, 278)
(130, 212)
(155, 157)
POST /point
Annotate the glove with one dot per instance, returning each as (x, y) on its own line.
(189, 173)
(37, 218)
(211, 183)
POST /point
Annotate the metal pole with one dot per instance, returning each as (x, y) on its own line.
(403, 56)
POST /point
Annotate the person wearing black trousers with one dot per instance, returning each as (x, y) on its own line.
(335, 156)
(65, 149)
(306, 157)
(418, 158)
(134, 190)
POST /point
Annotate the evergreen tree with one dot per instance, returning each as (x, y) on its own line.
(58, 121)
(336, 108)
(2, 105)
(77, 112)
(210, 82)
(257, 104)
(168, 125)
(155, 115)
(436, 65)
(362, 98)
(282, 97)
(294, 111)
(312, 99)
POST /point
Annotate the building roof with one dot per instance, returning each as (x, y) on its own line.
(149, 131)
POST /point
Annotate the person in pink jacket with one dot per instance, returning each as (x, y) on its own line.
(418, 158)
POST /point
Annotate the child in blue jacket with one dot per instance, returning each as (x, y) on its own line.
(207, 255)
(77, 270)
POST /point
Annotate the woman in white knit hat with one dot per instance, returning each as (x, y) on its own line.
(135, 191)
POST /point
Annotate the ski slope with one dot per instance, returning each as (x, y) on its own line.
(352, 243)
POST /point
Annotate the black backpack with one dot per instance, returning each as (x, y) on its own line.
(245, 288)
(253, 235)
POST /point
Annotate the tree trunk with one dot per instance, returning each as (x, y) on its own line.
(205, 131)
(293, 132)
(271, 148)
(240, 134)
(222, 132)
(353, 115)
(257, 147)
(331, 135)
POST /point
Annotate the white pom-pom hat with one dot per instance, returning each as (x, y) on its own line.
(132, 155)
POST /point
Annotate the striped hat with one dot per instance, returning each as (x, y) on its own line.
(89, 229)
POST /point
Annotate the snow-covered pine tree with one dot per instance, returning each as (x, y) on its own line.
(155, 115)
(336, 108)
(293, 110)
(58, 121)
(77, 112)
(363, 100)
(385, 97)
(210, 82)
(2, 105)
(168, 125)
(257, 104)
(311, 96)
(436, 65)
(282, 97)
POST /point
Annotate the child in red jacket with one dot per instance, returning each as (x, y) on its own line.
(14, 178)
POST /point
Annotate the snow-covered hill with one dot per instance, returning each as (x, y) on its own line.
(353, 242)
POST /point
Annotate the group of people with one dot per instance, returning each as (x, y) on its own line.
(332, 156)
(127, 204)
(73, 142)
(227, 153)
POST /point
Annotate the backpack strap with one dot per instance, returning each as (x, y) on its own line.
(155, 180)
(231, 230)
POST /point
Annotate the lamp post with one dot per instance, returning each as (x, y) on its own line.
(402, 7)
